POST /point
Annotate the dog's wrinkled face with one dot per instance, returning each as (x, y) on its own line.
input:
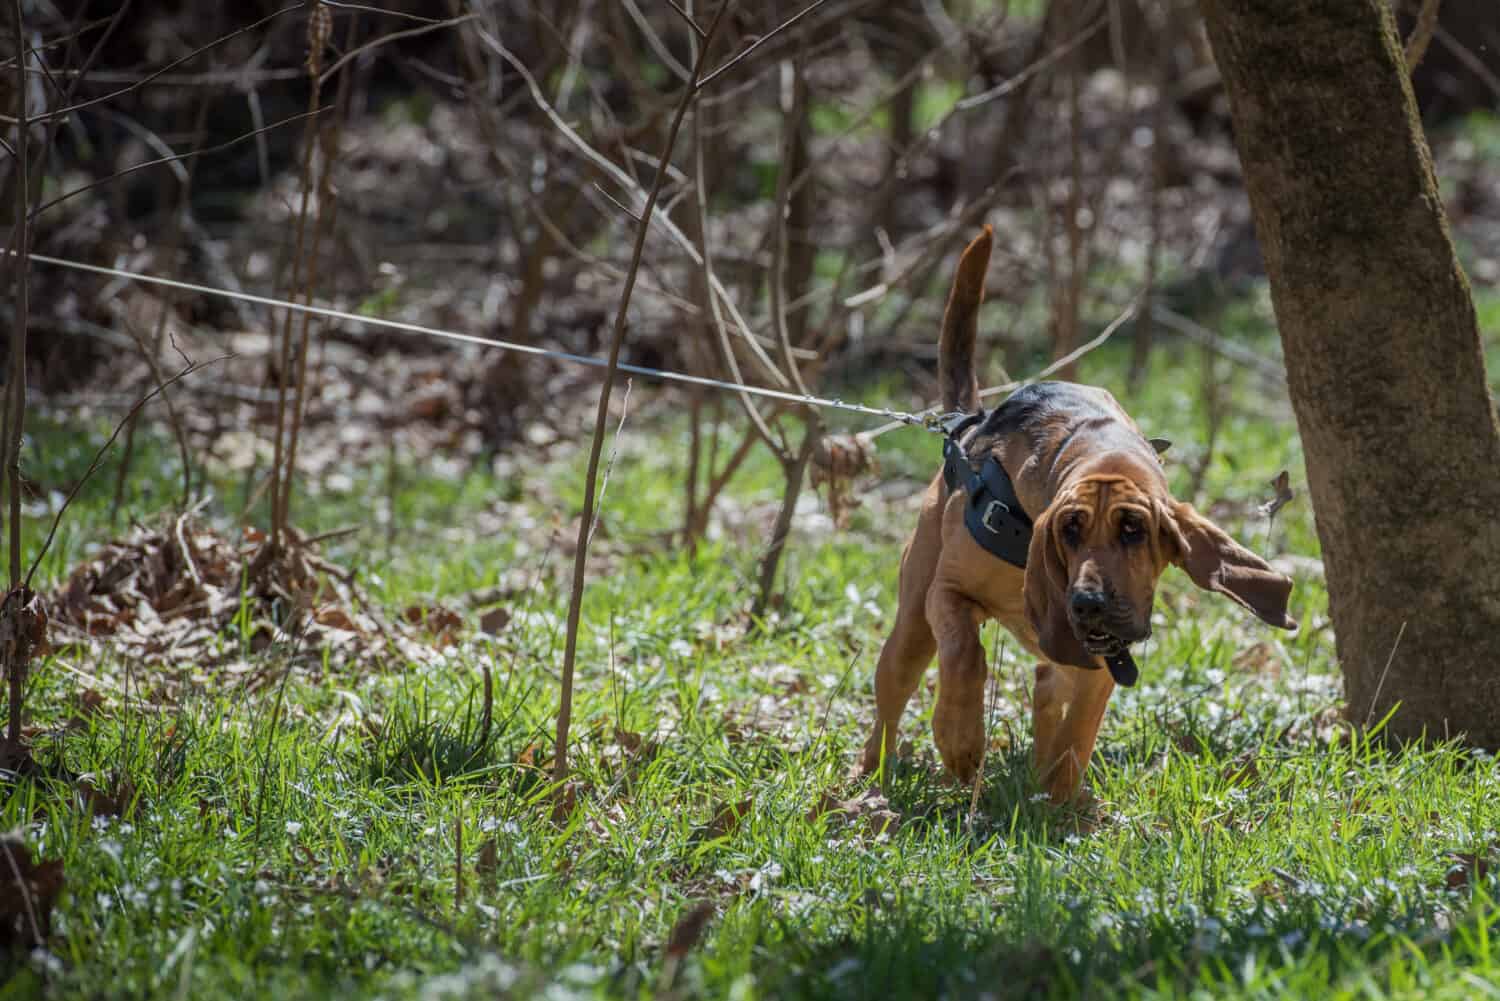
(1098, 551)
(1109, 545)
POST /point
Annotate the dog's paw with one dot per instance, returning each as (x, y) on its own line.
(960, 741)
(879, 747)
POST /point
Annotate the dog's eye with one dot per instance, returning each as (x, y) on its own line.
(1072, 530)
(1132, 532)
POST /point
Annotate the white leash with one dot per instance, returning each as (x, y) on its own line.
(898, 418)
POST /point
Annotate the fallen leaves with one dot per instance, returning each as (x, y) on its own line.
(727, 818)
(869, 811)
(173, 593)
(1466, 868)
(28, 891)
(494, 621)
(441, 624)
(688, 930)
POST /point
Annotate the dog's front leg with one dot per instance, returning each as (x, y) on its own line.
(1067, 709)
(958, 719)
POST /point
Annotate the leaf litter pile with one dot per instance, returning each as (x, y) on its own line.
(178, 593)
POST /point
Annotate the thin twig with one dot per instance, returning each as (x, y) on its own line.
(104, 450)
(373, 43)
(745, 53)
(620, 177)
(580, 560)
(16, 397)
(1421, 34)
(190, 154)
(687, 17)
(791, 123)
(1375, 700)
(64, 112)
(609, 465)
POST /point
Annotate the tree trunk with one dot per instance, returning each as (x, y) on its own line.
(1383, 356)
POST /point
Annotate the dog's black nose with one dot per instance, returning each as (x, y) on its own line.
(1088, 605)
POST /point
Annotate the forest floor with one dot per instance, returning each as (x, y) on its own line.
(332, 808)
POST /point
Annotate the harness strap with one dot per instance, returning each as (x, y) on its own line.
(993, 514)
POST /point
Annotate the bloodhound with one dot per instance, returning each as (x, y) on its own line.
(1105, 527)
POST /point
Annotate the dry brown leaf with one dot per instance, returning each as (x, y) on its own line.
(442, 624)
(797, 685)
(488, 861)
(688, 930)
(116, 800)
(335, 617)
(28, 892)
(1464, 868)
(494, 621)
(1259, 658)
(527, 758)
(727, 817)
(869, 807)
(90, 702)
(1281, 496)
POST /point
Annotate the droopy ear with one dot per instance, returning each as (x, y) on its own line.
(1218, 563)
(1046, 590)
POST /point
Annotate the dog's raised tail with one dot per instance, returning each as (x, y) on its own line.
(957, 378)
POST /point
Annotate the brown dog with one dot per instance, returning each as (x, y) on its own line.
(1105, 527)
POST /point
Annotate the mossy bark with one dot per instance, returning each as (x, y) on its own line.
(1383, 356)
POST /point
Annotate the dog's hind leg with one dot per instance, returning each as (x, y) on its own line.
(903, 659)
(909, 648)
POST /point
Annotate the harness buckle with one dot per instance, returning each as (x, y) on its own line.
(989, 513)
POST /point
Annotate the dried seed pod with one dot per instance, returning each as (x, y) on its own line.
(838, 461)
(319, 31)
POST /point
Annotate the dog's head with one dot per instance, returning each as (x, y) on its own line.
(1098, 550)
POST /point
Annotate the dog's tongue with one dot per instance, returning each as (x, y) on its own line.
(1122, 668)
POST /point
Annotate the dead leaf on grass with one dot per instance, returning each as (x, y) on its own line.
(28, 892)
(335, 617)
(442, 624)
(870, 809)
(488, 861)
(89, 702)
(688, 930)
(1465, 868)
(527, 758)
(727, 818)
(494, 621)
(116, 798)
(1259, 658)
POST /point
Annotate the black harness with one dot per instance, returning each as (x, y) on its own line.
(995, 518)
(993, 515)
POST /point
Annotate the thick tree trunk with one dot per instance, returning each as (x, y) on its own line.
(1383, 356)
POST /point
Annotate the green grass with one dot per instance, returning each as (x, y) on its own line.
(300, 842)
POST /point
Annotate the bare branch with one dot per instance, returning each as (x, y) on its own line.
(190, 154)
(686, 17)
(744, 54)
(610, 169)
(375, 43)
(585, 521)
(64, 112)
